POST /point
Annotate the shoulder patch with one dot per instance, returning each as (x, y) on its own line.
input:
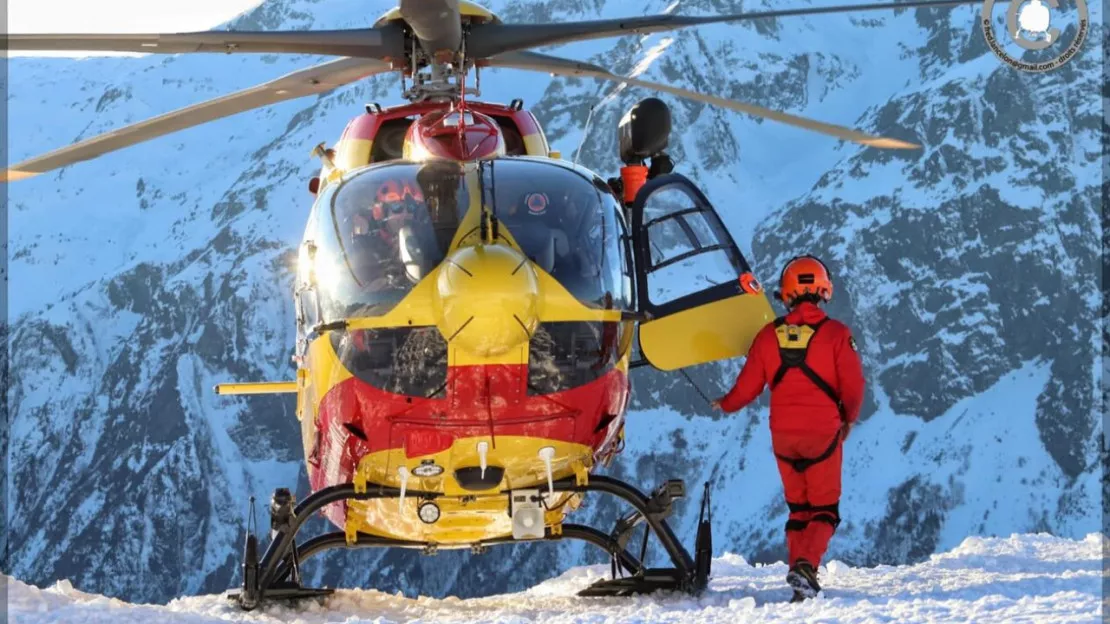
(852, 343)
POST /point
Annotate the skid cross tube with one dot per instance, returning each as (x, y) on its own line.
(338, 539)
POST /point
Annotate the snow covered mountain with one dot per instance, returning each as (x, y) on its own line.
(970, 270)
(1021, 578)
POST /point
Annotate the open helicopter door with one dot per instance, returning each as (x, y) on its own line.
(694, 287)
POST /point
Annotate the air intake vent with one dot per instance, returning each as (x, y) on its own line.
(411, 361)
(570, 354)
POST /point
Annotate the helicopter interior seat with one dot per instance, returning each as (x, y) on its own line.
(561, 243)
(567, 264)
(412, 253)
(538, 245)
(375, 262)
(545, 254)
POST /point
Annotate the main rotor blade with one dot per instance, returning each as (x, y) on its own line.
(566, 67)
(486, 40)
(436, 23)
(378, 43)
(319, 79)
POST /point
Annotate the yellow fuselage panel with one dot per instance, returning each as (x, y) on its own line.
(466, 516)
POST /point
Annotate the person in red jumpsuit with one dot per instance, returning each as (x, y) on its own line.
(813, 369)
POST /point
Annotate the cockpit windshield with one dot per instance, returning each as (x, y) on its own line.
(384, 229)
(569, 225)
(392, 225)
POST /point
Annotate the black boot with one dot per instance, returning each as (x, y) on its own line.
(803, 578)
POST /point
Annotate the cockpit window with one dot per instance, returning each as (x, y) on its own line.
(391, 225)
(386, 228)
(568, 224)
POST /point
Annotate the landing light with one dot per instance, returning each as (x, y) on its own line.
(428, 469)
(429, 513)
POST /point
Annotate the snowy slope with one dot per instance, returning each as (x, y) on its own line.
(140, 279)
(1029, 578)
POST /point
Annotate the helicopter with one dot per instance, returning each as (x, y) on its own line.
(467, 302)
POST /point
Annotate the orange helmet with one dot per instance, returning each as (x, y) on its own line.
(392, 197)
(804, 275)
(390, 191)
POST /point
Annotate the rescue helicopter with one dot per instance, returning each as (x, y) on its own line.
(467, 302)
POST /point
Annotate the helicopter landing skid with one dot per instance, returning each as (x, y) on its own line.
(277, 577)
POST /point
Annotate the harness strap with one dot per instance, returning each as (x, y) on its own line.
(789, 362)
(833, 509)
(796, 358)
(823, 386)
(829, 514)
(801, 464)
(796, 525)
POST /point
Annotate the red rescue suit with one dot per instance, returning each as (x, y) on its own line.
(806, 421)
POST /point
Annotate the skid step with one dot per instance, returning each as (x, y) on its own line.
(288, 594)
(649, 581)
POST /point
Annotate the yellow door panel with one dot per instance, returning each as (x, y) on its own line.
(693, 283)
(714, 331)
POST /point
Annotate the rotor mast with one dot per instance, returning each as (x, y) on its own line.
(437, 62)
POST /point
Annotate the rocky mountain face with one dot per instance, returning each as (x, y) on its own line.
(968, 269)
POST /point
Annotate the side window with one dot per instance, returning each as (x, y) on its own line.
(688, 250)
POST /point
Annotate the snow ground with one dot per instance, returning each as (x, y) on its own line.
(1023, 578)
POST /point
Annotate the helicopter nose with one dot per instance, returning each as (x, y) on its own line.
(487, 299)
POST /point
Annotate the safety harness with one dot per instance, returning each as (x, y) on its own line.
(794, 343)
(829, 514)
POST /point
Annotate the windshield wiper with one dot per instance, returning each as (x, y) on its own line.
(496, 233)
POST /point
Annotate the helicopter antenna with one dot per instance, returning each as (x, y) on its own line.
(325, 155)
(585, 132)
(590, 117)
